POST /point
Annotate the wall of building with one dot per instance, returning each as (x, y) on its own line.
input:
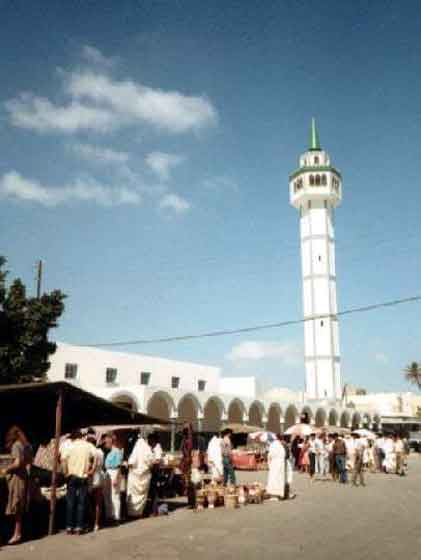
(93, 362)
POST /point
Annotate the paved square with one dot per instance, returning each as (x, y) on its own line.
(326, 521)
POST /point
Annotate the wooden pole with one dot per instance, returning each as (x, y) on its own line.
(59, 416)
(39, 279)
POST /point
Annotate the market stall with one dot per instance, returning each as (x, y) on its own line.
(46, 410)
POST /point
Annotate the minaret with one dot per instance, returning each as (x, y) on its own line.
(315, 190)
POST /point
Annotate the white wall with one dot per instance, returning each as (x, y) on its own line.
(92, 364)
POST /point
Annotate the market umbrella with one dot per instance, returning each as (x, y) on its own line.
(365, 433)
(302, 430)
(238, 428)
(262, 437)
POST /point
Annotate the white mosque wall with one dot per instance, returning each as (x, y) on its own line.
(92, 364)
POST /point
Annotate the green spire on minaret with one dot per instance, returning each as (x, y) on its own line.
(314, 136)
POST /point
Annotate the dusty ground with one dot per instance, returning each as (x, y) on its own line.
(326, 521)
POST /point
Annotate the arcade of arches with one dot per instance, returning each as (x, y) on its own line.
(210, 416)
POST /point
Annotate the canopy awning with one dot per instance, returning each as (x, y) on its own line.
(32, 406)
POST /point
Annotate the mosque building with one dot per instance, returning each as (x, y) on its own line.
(183, 391)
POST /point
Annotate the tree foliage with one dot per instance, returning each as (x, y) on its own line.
(412, 373)
(24, 326)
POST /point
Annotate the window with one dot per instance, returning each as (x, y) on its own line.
(201, 385)
(316, 161)
(145, 377)
(311, 180)
(324, 181)
(318, 180)
(70, 371)
(321, 323)
(175, 382)
(111, 375)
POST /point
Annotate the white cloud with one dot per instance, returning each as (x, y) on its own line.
(99, 103)
(100, 155)
(381, 358)
(39, 114)
(131, 102)
(162, 163)
(289, 353)
(95, 56)
(175, 203)
(14, 186)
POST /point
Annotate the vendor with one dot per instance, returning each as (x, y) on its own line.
(21, 452)
(140, 462)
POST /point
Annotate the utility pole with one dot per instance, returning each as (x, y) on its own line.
(39, 278)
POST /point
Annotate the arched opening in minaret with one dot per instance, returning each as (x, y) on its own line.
(317, 180)
(311, 180)
(274, 418)
(324, 180)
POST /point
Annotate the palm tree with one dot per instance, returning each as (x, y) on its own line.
(412, 373)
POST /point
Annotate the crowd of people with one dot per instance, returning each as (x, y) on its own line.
(107, 480)
(104, 480)
(333, 456)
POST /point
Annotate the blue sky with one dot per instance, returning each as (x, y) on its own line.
(145, 152)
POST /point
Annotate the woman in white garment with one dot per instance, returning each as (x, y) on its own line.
(215, 458)
(140, 462)
(276, 461)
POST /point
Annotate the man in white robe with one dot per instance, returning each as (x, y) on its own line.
(276, 478)
(140, 463)
(390, 455)
(215, 458)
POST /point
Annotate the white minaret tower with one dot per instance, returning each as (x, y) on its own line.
(315, 190)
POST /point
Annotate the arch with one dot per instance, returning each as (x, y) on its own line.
(317, 181)
(212, 414)
(125, 399)
(256, 413)
(345, 419)
(188, 410)
(160, 405)
(316, 160)
(311, 180)
(324, 180)
(274, 418)
(236, 411)
(356, 420)
(306, 415)
(291, 416)
(376, 422)
(320, 418)
(366, 421)
(333, 418)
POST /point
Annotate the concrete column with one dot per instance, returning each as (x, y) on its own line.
(200, 423)
(281, 424)
(173, 429)
(265, 421)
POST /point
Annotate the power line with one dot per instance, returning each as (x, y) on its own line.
(255, 328)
